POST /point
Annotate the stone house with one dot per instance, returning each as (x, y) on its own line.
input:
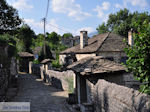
(25, 58)
(70, 41)
(89, 70)
(108, 45)
(47, 64)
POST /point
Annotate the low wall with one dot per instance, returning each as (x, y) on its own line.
(62, 80)
(110, 97)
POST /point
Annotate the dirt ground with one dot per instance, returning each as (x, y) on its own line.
(42, 97)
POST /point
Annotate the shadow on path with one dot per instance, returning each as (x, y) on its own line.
(42, 97)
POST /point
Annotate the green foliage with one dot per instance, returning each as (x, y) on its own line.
(7, 39)
(102, 28)
(9, 18)
(122, 21)
(52, 41)
(26, 35)
(55, 63)
(139, 55)
(70, 84)
(19, 45)
(67, 35)
(36, 61)
(38, 42)
(53, 38)
(48, 54)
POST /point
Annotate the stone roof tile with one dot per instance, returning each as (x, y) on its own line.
(95, 65)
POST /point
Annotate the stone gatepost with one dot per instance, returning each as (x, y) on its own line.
(30, 67)
(46, 68)
(74, 82)
(42, 72)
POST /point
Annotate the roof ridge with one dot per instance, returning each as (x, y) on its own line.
(103, 41)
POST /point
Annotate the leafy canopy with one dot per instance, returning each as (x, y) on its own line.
(53, 37)
(102, 28)
(67, 35)
(26, 35)
(139, 55)
(9, 18)
(122, 21)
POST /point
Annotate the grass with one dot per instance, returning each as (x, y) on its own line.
(70, 84)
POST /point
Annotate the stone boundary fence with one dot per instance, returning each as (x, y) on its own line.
(62, 80)
(110, 97)
(8, 71)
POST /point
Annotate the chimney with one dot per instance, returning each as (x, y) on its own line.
(83, 39)
(130, 38)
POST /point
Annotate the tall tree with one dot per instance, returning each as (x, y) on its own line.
(26, 34)
(39, 41)
(67, 35)
(122, 21)
(102, 28)
(53, 37)
(139, 55)
(9, 18)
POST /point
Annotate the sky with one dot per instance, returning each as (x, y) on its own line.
(71, 16)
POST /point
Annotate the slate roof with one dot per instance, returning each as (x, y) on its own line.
(95, 65)
(25, 54)
(45, 61)
(113, 42)
(101, 42)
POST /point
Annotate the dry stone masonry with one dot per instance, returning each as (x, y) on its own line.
(110, 97)
(55, 78)
(59, 79)
(8, 70)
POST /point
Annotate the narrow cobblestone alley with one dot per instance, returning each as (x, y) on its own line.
(42, 97)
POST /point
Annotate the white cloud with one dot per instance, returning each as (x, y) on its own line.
(105, 5)
(51, 26)
(140, 3)
(89, 29)
(70, 8)
(33, 23)
(100, 10)
(118, 6)
(22, 5)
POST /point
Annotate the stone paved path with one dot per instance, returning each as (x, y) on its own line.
(42, 97)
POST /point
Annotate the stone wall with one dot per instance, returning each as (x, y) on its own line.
(8, 70)
(60, 79)
(57, 79)
(110, 97)
(120, 77)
